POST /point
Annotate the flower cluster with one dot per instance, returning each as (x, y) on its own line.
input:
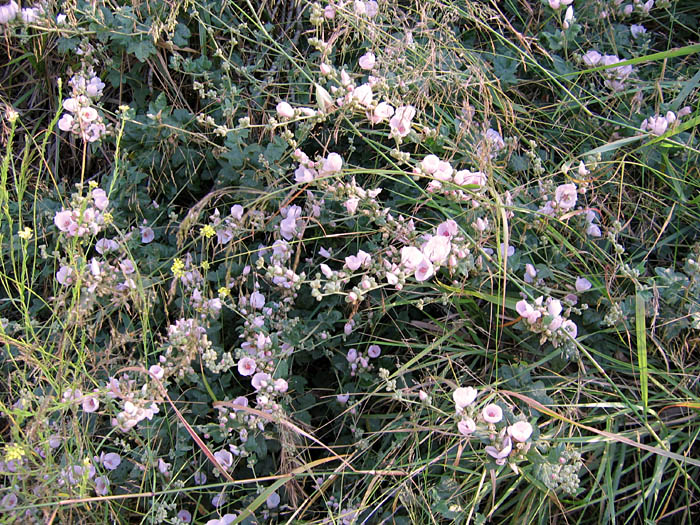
(85, 216)
(507, 440)
(615, 77)
(659, 124)
(549, 319)
(82, 119)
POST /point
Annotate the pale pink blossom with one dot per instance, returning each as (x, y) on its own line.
(100, 197)
(437, 249)
(444, 171)
(111, 460)
(448, 228)
(411, 257)
(382, 112)
(464, 396)
(527, 311)
(363, 95)
(583, 284)
(246, 366)
(500, 455)
(466, 426)
(430, 164)
(351, 205)
(147, 234)
(157, 371)
(65, 275)
(64, 220)
(353, 262)
(492, 413)
(565, 196)
(285, 110)
(102, 485)
(90, 404)
(66, 122)
(225, 458)
(400, 123)
(367, 60)
(520, 431)
(424, 270)
(332, 164)
(592, 58)
(281, 385)
(260, 380)
(530, 273)
(374, 351)
(570, 328)
(342, 398)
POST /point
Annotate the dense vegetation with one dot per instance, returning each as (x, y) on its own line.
(359, 262)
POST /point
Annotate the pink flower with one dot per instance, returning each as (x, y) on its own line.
(342, 398)
(304, 175)
(64, 220)
(464, 396)
(554, 307)
(363, 95)
(65, 275)
(257, 300)
(466, 427)
(400, 123)
(570, 328)
(382, 112)
(147, 234)
(582, 284)
(332, 164)
(437, 249)
(520, 431)
(448, 228)
(281, 385)
(352, 355)
(411, 257)
(527, 311)
(424, 270)
(260, 380)
(66, 122)
(430, 164)
(367, 60)
(353, 262)
(284, 110)
(111, 460)
(225, 458)
(106, 246)
(157, 371)
(492, 413)
(351, 205)
(374, 351)
(247, 366)
(500, 455)
(530, 273)
(565, 196)
(101, 485)
(87, 114)
(90, 404)
(444, 171)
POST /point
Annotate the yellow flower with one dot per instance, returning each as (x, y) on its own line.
(13, 451)
(178, 268)
(205, 265)
(26, 234)
(223, 291)
(208, 231)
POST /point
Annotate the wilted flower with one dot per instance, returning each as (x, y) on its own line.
(500, 455)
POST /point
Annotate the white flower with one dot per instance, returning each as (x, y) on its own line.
(568, 17)
(66, 122)
(367, 60)
(400, 123)
(332, 164)
(157, 371)
(382, 112)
